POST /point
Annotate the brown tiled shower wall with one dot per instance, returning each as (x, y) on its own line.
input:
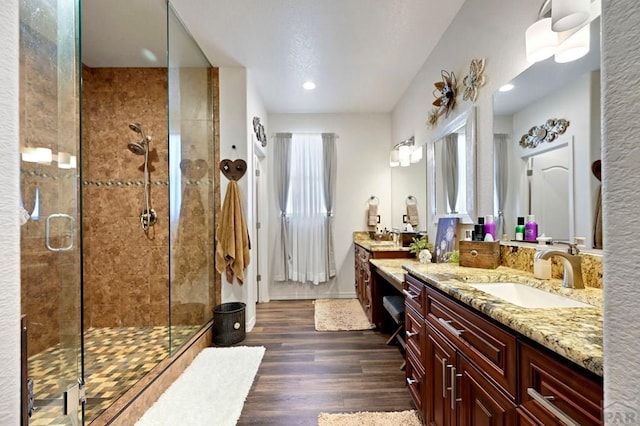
(125, 272)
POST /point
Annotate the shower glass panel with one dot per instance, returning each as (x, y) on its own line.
(51, 233)
(191, 184)
(125, 178)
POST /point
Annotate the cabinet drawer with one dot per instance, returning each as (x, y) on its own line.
(414, 327)
(489, 346)
(577, 395)
(415, 380)
(414, 294)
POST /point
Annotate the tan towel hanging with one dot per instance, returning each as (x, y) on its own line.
(372, 211)
(412, 210)
(232, 237)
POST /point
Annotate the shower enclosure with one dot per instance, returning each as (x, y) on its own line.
(118, 199)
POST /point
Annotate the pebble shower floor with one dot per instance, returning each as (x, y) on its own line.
(116, 358)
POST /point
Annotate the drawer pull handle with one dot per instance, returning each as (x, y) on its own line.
(410, 334)
(409, 295)
(473, 253)
(410, 381)
(454, 397)
(542, 400)
(447, 324)
(444, 378)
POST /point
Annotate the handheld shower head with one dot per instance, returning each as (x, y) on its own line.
(136, 127)
(140, 147)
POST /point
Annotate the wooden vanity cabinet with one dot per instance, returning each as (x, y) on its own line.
(366, 291)
(477, 372)
(577, 394)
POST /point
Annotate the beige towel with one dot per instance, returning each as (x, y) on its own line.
(232, 236)
(412, 211)
(373, 213)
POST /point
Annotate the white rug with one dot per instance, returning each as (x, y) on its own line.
(340, 315)
(211, 391)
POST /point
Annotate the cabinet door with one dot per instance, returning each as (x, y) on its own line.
(549, 384)
(478, 401)
(440, 361)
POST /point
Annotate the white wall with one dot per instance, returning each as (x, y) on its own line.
(621, 204)
(363, 170)
(482, 29)
(10, 235)
(233, 132)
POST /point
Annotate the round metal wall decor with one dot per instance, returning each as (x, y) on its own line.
(546, 132)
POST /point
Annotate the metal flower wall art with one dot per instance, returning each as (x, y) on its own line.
(445, 93)
(547, 132)
(473, 80)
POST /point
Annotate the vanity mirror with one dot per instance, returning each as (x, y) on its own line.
(553, 180)
(451, 169)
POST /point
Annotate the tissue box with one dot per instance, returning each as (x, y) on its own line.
(480, 254)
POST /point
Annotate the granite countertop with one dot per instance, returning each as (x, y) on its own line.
(574, 333)
(363, 239)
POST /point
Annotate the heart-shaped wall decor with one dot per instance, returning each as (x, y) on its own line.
(233, 170)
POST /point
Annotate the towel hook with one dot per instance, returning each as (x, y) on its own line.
(233, 170)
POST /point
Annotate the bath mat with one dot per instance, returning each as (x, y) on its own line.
(391, 418)
(340, 315)
(211, 391)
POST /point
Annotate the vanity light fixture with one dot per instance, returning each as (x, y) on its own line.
(308, 85)
(569, 14)
(560, 30)
(405, 153)
(506, 87)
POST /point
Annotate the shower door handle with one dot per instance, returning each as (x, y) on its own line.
(72, 231)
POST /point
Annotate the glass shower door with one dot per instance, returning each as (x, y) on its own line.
(50, 233)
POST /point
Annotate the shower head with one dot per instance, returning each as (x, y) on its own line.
(138, 148)
(136, 127)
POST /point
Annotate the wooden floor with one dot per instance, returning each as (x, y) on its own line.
(305, 372)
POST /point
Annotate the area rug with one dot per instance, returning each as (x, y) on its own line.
(340, 315)
(211, 391)
(390, 418)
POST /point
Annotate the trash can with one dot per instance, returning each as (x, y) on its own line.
(229, 323)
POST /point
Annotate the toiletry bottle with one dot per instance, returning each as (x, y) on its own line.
(490, 227)
(480, 229)
(531, 229)
(542, 267)
(520, 229)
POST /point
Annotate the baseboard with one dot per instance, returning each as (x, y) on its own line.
(132, 404)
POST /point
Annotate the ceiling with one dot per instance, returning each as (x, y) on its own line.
(362, 54)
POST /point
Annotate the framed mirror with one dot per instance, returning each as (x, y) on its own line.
(451, 159)
(553, 180)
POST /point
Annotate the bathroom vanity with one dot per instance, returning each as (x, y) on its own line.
(473, 358)
(366, 249)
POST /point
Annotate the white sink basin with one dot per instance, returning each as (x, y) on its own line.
(528, 297)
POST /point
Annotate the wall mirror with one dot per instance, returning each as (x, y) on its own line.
(554, 180)
(406, 182)
(451, 159)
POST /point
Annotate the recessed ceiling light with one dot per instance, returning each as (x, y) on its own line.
(506, 87)
(309, 85)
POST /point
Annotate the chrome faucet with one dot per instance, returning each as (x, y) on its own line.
(571, 261)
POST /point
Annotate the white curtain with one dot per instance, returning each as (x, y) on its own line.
(501, 166)
(450, 170)
(306, 193)
(282, 178)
